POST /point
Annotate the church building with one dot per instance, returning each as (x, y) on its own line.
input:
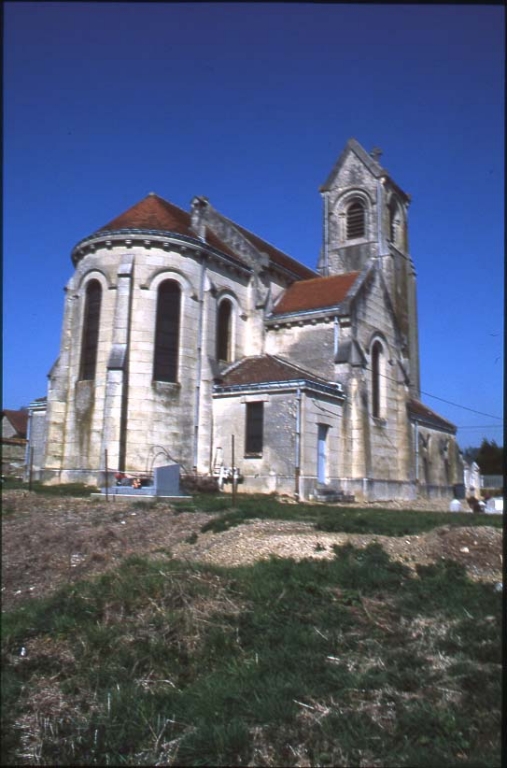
(186, 337)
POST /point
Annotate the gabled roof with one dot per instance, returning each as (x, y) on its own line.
(371, 164)
(270, 369)
(417, 411)
(153, 213)
(354, 146)
(277, 257)
(18, 420)
(318, 293)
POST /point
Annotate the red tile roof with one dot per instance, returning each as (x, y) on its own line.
(155, 213)
(264, 369)
(19, 421)
(152, 213)
(318, 293)
(417, 409)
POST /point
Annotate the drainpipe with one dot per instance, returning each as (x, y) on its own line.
(297, 472)
(200, 331)
(28, 451)
(416, 433)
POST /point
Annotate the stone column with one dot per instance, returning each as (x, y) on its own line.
(116, 394)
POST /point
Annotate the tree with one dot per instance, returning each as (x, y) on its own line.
(470, 454)
(490, 458)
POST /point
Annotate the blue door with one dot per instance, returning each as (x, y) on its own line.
(322, 453)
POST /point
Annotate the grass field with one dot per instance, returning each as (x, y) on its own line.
(351, 661)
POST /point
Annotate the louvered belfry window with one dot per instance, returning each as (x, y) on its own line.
(91, 326)
(224, 331)
(355, 220)
(167, 332)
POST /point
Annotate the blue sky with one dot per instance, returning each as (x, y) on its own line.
(250, 105)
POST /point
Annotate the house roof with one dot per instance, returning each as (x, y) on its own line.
(267, 369)
(417, 411)
(153, 213)
(318, 293)
(18, 420)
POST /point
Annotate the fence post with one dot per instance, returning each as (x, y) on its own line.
(30, 468)
(107, 478)
(233, 473)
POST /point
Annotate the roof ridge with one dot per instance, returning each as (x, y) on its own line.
(418, 402)
(332, 277)
(303, 297)
(297, 367)
(244, 229)
(236, 363)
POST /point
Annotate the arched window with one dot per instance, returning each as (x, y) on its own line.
(377, 353)
(167, 332)
(91, 325)
(394, 223)
(224, 323)
(356, 224)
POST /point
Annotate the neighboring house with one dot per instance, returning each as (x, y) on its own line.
(492, 482)
(182, 331)
(36, 437)
(14, 441)
(472, 479)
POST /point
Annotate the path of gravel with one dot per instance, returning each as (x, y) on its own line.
(48, 541)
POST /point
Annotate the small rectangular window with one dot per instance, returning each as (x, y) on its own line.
(254, 429)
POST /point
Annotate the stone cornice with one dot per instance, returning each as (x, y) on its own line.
(147, 238)
(332, 389)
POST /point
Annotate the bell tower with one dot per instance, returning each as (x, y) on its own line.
(365, 221)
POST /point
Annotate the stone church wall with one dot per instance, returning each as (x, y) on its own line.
(85, 416)
(310, 345)
(386, 437)
(275, 470)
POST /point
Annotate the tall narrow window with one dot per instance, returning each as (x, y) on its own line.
(91, 325)
(167, 332)
(355, 220)
(224, 321)
(394, 223)
(254, 429)
(376, 355)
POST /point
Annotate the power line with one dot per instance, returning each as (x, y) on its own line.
(443, 400)
(464, 407)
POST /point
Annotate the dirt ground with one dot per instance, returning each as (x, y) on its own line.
(48, 541)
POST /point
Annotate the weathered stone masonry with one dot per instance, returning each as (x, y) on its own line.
(328, 358)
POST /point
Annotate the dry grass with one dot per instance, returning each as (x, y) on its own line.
(345, 656)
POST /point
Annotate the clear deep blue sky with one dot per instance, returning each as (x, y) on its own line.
(251, 105)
